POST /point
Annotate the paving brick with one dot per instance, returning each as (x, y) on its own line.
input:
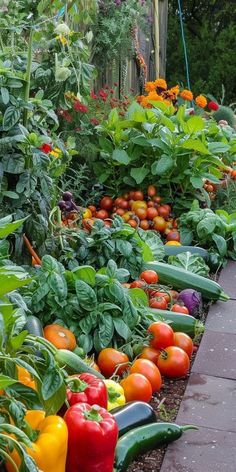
(206, 450)
(209, 402)
(216, 355)
(227, 279)
(222, 317)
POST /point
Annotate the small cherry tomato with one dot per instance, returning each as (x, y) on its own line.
(138, 195)
(132, 223)
(106, 203)
(87, 213)
(151, 213)
(163, 335)
(150, 276)
(144, 224)
(151, 191)
(102, 214)
(173, 236)
(163, 211)
(141, 213)
(159, 224)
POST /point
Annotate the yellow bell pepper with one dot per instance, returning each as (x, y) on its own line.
(116, 396)
(25, 378)
(49, 450)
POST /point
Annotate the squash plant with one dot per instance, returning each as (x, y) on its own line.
(94, 305)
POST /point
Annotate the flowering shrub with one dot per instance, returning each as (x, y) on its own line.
(159, 92)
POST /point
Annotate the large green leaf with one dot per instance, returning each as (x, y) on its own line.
(195, 145)
(85, 273)
(195, 124)
(139, 174)
(121, 156)
(11, 117)
(190, 262)
(161, 166)
(6, 227)
(10, 280)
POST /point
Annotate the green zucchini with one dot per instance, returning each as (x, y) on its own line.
(34, 326)
(133, 414)
(174, 250)
(179, 322)
(74, 364)
(143, 439)
(180, 279)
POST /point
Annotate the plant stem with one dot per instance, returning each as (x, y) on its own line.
(28, 74)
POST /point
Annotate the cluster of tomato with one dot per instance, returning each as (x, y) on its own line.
(158, 298)
(147, 213)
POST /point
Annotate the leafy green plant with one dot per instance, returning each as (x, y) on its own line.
(95, 306)
(191, 262)
(215, 231)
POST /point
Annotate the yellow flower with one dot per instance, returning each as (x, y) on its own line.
(201, 101)
(62, 39)
(55, 152)
(186, 95)
(154, 96)
(150, 86)
(161, 83)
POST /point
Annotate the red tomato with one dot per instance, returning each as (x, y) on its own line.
(138, 284)
(120, 211)
(151, 191)
(180, 309)
(185, 342)
(159, 303)
(117, 201)
(168, 207)
(150, 276)
(132, 223)
(108, 360)
(102, 214)
(157, 199)
(150, 204)
(93, 209)
(163, 335)
(141, 213)
(173, 236)
(124, 204)
(174, 295)
(106, 203)
(159, 223)
(150, 353)
(163, 211)
(173, 362)
(144, 224)
(157, 294)
(151, 213)
(138, 195)
(88, 223)
(137, 387)
(150, 371)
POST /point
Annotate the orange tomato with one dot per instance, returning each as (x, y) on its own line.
(141, 213)
(138, 204)
(109, 359)
(127, 216)
(151, 191)
(149, 370)
(159, 224)
(173, 243)
(136, 387)
(163, 211)
(132, 223)
(151, 213)
(60, 337)
(150, 353)
(144, 224)
(120, 212)
(184, 341)
(138, 195)
(102, 214)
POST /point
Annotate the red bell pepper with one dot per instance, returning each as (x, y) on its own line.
(92, 439)
(86, 388)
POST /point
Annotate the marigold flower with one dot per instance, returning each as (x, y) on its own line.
(213, 106)
(150, 86)
(154, 96)
(46, 148)
(201, 101)
(175, 90)
(186, 95)
(160, 83)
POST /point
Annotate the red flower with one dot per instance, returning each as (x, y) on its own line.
(111, 91)
(78, 106)
(213, 106)
(106, 87)
(115, 84)
(46, 148)
(94, 121)
(103, 94)
(93, 95)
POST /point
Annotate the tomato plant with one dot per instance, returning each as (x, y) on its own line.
(150, 276)
(137, 387)
(173, 362)
(162, 335)
(150, 371)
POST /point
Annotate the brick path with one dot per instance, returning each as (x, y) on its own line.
(210, 397)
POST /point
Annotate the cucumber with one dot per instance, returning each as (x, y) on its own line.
(179, 322)
(174, 250)
(74, 364)
(180, 279)
(34, 326)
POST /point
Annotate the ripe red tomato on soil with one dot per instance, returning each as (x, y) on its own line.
(149, 370)
(184, 341)
(136, 387)
(173, 362)
(163, 335)
(150, 353)
(150, 276)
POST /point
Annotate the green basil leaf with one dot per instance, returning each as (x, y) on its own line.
(121, 328)
(86, 295)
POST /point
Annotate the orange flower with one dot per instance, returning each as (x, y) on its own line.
(175, 90)
(150, 86)
(161, 83)
(201, 101)
(154, 96)
(187, 95)
(142, 100)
